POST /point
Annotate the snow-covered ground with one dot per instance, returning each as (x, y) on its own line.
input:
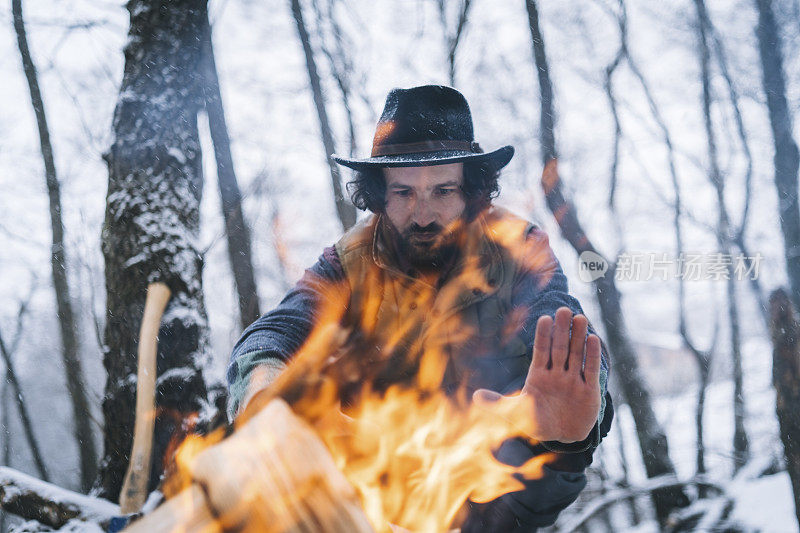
(763, 504)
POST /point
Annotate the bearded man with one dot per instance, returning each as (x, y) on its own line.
(436, 267)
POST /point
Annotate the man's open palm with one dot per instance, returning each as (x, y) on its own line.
(562, 389)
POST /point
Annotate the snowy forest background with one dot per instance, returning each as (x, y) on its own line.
(367, 47)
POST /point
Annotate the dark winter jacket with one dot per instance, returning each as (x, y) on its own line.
(517, 276)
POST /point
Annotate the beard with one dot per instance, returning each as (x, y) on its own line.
(429, 247)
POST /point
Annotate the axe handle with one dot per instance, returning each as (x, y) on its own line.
(134, 488)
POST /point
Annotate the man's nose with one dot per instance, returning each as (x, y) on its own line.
(424, 213)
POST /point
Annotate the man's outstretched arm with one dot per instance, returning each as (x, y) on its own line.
(542, 289)
(266, 346)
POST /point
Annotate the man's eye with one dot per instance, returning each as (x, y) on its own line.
(445, 191)
(402, 193)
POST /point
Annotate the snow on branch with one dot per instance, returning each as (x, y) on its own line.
(33, 499)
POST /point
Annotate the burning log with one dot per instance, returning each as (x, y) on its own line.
(273, 475)
(33, 499)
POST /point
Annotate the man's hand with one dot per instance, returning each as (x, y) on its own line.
(562, 389)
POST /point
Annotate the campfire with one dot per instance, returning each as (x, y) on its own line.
(357, 434)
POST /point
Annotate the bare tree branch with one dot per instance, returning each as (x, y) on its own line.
(58, 261)
(453, 37)
(339, 60)
(22, 407)
(652, 485)
(740, 441)
(345, 210)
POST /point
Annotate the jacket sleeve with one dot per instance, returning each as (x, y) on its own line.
(541, 288)
(267, 344)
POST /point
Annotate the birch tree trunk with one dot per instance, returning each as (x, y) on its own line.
(58, 264)
(151, 227)
(652, 439)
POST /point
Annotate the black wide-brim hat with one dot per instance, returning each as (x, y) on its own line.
(426, 125)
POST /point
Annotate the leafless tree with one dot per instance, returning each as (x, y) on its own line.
(236, 228)
(345, 210)
(610, 70)
(336, 48)
(702, 357)
(602, 475)
(267, 193)
(151, 227)
(786, 379)
(5, 407)
(723, 233)
(452, 35)
(744, 141)
(69, 330)
(786, 159)
(625, 479)
(652, 439)
(7, 352)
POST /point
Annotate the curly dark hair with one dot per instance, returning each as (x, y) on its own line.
(368, 188)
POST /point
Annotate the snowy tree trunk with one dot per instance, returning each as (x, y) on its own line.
(652, 439)
(786, 379)
(58, 263)
(787, 159)
(151, 226)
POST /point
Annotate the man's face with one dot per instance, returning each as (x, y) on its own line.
(425, 206)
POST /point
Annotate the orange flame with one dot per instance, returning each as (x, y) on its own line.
(415, 459)
(374, 396)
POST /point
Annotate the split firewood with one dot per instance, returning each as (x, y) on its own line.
(272, 475)
(33, 499)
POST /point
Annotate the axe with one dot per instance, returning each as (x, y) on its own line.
(134, 488)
